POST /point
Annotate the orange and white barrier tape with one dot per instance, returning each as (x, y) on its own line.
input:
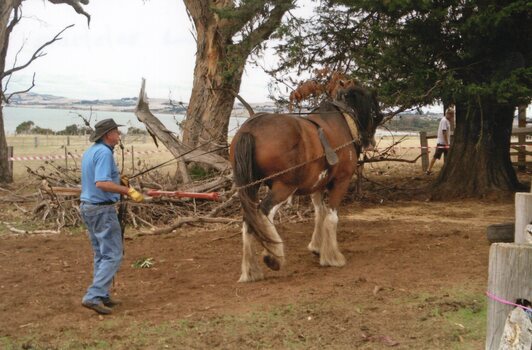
(70, 155)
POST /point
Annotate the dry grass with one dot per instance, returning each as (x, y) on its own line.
(74, 146)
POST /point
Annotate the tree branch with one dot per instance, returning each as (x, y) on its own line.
(36, 54)
(76, 5)
(264, 31)
(6, 99)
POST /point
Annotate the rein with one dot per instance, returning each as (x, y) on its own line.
(355, 139)
(176, 158)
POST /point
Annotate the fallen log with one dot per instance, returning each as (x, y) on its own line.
(158, 130)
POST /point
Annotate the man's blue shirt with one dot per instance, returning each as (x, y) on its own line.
(98, 164)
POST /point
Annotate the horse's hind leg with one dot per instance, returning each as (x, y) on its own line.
(320, 211)
(330, 255)
(274, 247)
(251, 270)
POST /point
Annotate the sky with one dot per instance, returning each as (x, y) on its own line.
(127, 40)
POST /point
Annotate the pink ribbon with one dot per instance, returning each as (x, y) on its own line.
(503, 301)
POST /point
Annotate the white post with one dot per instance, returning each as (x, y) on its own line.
(510, 278)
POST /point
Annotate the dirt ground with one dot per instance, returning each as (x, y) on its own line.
(415, 276)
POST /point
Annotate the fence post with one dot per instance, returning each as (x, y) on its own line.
(36, 142)
(68, 140)
(424, 150)
(521, 139)
(509, 276)
(66, 159)
(132, 160)
(9, 160)
(523, 216)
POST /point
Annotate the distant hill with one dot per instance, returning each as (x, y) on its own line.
(124, 104)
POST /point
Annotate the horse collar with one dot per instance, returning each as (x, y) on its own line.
(351, 118)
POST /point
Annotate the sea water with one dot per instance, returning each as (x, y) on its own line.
(59, 119)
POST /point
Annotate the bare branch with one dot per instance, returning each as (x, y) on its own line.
(241, 99)
(6, 99)
(14, 65)
(38, 53)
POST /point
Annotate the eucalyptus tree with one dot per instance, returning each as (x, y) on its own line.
(474, 54)
(227, 32)
(10, 16)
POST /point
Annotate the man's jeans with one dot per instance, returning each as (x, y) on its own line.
(105, 235)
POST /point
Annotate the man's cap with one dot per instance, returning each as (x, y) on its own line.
(101, 128)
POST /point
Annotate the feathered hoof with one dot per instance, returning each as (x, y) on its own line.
(313, 250)
(272, 262)
(251, 277)
(338, 260)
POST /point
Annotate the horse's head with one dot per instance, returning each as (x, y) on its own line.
(366, 109)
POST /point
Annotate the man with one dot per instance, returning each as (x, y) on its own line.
(444, 138)
(100, 189)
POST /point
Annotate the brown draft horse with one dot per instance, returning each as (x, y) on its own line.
(285, 151)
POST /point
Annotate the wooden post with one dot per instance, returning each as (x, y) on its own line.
(424, 151)
(132, 160)
(66, 159)
(521, 139)
(68, 140)
(509, 278)
(9, 160)
(36, 142)
(523, 217)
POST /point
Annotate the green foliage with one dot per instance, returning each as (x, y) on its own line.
(74, 130)
(413, 123)
(419, 52)
(136, 131)
(24, 127)
(42, 131)
(197, 172)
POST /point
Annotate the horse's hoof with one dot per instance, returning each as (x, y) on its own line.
(272, 263)
(314, 249)
(337, 261)
(250, 277)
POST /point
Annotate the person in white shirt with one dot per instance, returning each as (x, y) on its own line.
(444, 138)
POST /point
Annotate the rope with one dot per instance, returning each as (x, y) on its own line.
(506, 302)
(256, 182)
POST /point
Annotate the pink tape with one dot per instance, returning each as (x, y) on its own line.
(503, 301)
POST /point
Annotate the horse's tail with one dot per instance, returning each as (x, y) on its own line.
(244, 174)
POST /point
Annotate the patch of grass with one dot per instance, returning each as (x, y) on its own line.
(467, 324)
(459, 313)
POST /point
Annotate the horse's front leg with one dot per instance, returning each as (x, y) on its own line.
(330, 255)
(251, 270)
(320, 211)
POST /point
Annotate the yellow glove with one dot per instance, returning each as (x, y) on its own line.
(135, 195)
(124, 180)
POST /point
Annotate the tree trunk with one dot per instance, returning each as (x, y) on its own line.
(479, 159)
(5, 173)
(226, 34)
(6, 9)
(210, 105)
